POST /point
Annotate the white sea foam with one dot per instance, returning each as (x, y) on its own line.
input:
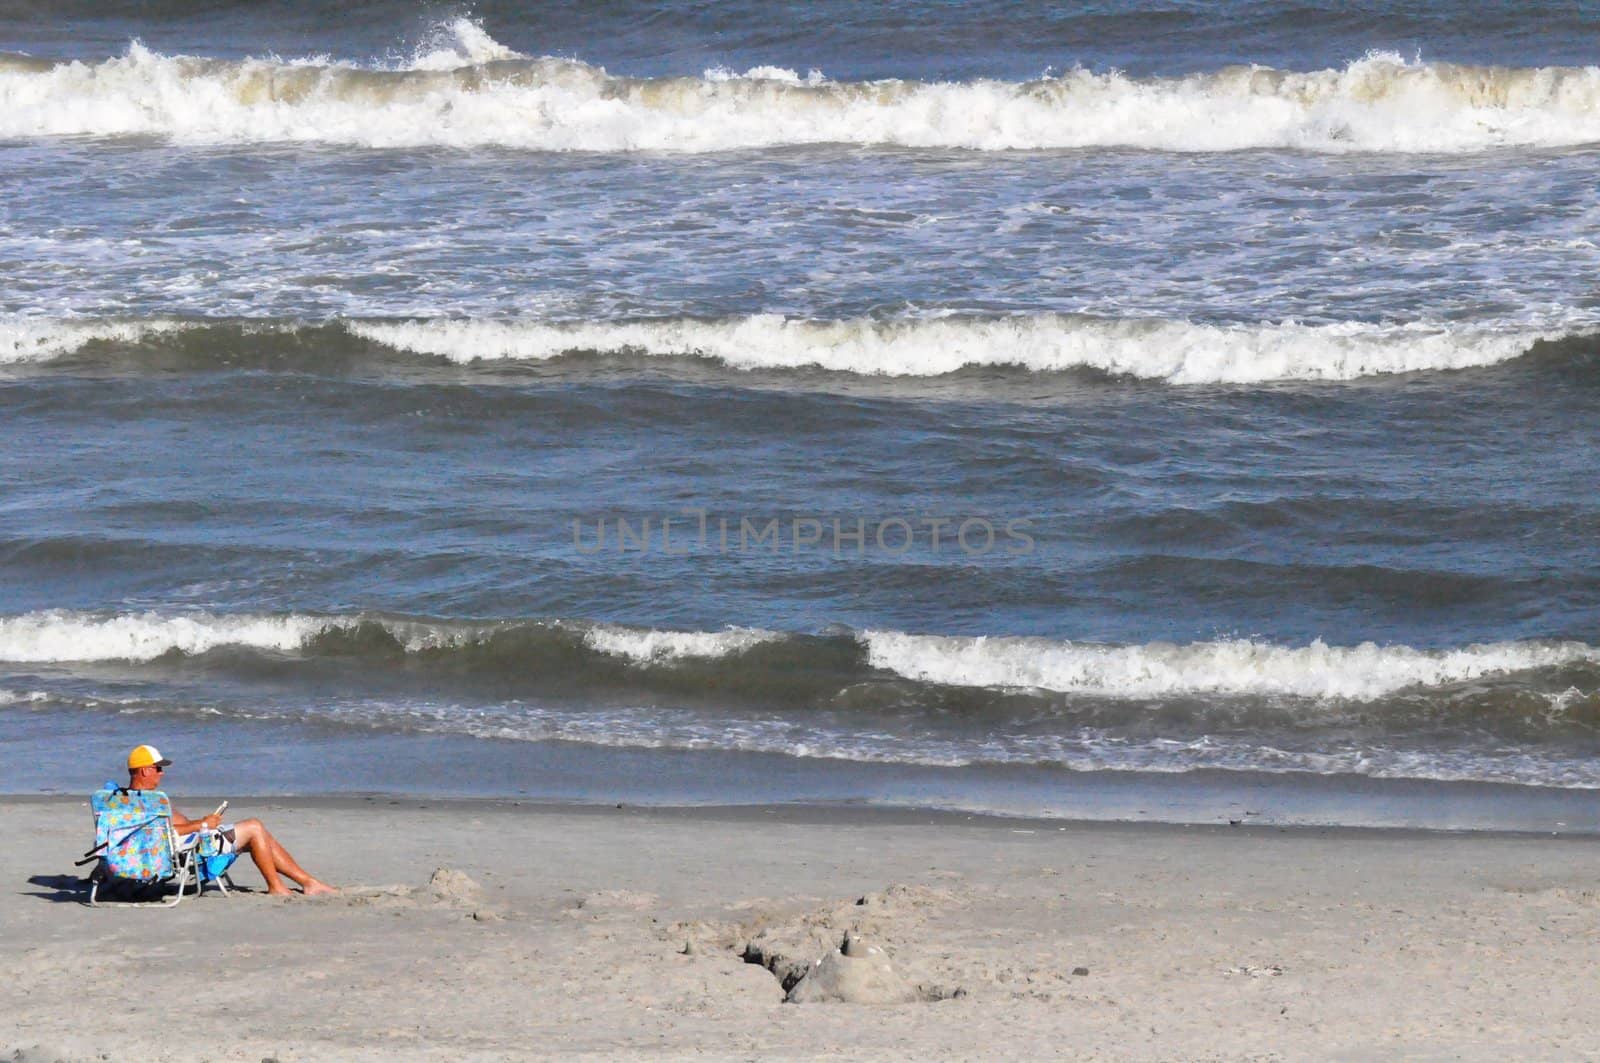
(39, 340)
(457, 43)
(61, 635)
(1083, 749)
(1176, 351)
(1222, 669)
(1230, 667)
(649, 646)
(65, 635)
(469, 91)
(766, 73)
(1179, 352)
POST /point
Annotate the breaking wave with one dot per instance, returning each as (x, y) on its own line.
(1178, 352)
(1228, 667)
(1503, 712)
(456, 43)
(39, 340)
(647, 646)
(462, 89)
(1175, 351)
(56, 636)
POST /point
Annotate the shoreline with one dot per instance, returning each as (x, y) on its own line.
(804, 814)
(490, 929)
(57, 753)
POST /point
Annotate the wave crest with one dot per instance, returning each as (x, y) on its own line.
(1229, 667)
(1177, 352)
(65, 636)
(651, 646)
(58, 635)
(466, 90)
(40, 340)
(456, 43)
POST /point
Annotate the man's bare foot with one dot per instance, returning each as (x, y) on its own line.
(315, 888)
(281, 891)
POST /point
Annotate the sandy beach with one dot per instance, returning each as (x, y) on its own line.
(491, 930)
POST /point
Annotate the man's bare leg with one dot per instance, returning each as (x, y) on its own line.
(271, 858)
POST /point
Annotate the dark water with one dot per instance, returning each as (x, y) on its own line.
(953, 403)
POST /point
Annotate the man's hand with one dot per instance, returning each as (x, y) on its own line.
(211, 822)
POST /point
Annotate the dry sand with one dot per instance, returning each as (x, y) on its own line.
(629, 932)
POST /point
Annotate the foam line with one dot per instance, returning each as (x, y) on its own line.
(1228, 667)
(646, 646)
(40, 340)
(1240, 667)
(59, 635)
(465, 90)
(1176, 351)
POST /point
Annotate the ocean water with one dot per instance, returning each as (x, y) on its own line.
(1109, 409)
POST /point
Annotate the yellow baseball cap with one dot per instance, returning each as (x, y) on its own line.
(145, 756)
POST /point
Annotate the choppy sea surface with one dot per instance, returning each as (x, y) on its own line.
(1107, 410)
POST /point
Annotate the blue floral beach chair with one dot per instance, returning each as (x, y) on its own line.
(135, 847)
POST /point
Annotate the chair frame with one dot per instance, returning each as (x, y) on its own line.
(183, 856)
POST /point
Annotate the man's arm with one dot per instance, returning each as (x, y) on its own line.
(183, 825)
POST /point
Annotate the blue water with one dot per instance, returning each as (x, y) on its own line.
(1044, 403)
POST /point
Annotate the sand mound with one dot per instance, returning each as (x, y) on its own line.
(455, 887)
(789, 944)
(856, 973)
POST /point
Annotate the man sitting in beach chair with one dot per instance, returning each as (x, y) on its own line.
(146, 766)
(136, 850)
